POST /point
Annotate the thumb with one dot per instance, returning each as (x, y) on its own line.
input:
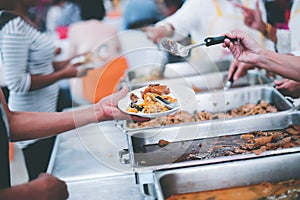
(119, 95)
(257, 5)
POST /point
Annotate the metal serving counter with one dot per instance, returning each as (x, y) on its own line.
(88, 160)
(89, 176)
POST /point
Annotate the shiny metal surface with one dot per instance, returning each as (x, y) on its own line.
(87, 159)
(226, 175)
(113, 188)
(172, 70)
(165, 157)
(222, 101)
(177, 49)
(213, 81)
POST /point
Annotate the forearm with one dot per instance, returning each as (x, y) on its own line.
(25, 125)
(41, 81)
(24, 191)
(58, 65)
(284, 65)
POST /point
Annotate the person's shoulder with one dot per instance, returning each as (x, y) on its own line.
(6, 18)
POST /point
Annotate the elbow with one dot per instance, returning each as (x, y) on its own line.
(20, 85)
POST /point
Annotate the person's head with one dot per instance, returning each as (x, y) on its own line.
(8, 4)
(172, 6)
(140, 13)
(28, 3)
(92, 9)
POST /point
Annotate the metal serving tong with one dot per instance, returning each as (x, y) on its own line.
(183, 51)
(166, 102)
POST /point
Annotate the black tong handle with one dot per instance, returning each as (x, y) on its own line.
(209, 41)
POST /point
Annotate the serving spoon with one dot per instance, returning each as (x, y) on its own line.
(183, 51)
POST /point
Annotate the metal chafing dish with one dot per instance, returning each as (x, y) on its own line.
(221, 101)
(212, 81)
(159, 166)
(227, 175)
(145, 153)
(160, 71)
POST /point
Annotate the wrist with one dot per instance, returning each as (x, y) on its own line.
(267, 29)
(169, 29)
(60, 75)
(262, 57)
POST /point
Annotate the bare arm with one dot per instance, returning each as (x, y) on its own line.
(253, 19)
(249, 51)
(30, 125)
(284, 65)
(58, 65)
(45, 187)
(41, 81)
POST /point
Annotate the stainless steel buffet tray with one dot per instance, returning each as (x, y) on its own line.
(227, 175)
(220, 101)
(145, 154)
(152, 72)
(212, 81)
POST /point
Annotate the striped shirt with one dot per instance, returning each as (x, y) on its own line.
(24, 52)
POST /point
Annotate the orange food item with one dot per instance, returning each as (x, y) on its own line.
(150, 104)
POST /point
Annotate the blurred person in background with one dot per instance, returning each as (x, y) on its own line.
(38, 13)
(31, 76)
(139, 13)
(282, 28)
(16, 126)
(88, 35)
(169, 7)
(201, 19)
(61, 14)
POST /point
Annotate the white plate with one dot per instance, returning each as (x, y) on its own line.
(124, 103)
(86, 62)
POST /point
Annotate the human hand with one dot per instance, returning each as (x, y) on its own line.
(48, 187)
(253, 18)
(155, 34)
(73, 70)
(57, 51)
(106, 108)
(239, 69)
(246, 49)
(288, 87)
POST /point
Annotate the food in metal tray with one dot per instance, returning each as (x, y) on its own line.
(252, 142)
(285, 190)
(179, 117)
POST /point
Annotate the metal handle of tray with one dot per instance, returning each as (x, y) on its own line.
(124, 156)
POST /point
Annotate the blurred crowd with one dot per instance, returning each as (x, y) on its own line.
(46, 46)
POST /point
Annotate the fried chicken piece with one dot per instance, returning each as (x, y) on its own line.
(157, 89)
(134, 98)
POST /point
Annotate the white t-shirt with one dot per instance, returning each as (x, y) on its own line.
(204, 18)
(294, 28)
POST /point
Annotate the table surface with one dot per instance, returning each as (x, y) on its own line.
(87, 158)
